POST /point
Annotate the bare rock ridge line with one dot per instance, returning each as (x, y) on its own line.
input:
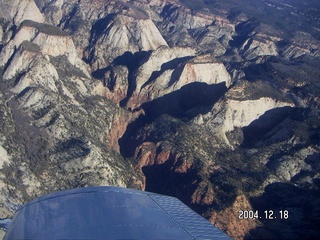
(206, 101)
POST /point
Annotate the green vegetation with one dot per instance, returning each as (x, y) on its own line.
(65, 68)
(44, 28)
(29, 46)
(256, 90)
(211, 161)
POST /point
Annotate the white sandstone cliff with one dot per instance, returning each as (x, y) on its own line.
(124, 34)
(156, 61)
(243, 104)
(50, 43)
(200, 69)
(17, 11)
(254, 47)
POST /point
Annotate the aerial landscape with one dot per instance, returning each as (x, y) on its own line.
(214, 102)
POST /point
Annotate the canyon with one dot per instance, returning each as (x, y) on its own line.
(205, 101)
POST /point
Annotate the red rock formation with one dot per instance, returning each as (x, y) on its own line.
(204, 194)
(228, 219)
(120, 124)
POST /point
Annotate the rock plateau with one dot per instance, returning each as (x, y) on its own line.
(212, 102)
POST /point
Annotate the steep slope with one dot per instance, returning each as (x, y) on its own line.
(208, 101)
(56, 134)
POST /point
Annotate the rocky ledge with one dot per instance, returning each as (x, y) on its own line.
(203, 100)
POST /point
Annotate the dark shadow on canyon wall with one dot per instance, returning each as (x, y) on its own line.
(128, 143)
(185, 103)
(161, 177)
(256, 131)
(133, 61)
(176, 64)
(302, 205)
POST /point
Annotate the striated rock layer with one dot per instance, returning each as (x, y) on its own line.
(207, 101)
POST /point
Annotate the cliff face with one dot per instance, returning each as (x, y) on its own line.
(195, 99)
(240, 107)
(56, 134)
(17, 11)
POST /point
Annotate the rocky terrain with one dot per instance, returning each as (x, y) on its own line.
(213, 102)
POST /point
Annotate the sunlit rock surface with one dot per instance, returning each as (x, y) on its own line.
(208, 101)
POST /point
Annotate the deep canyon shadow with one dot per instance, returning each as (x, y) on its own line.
(189, 101)
(302, 206)
(256, 131)
(183, 182)
(185, 103)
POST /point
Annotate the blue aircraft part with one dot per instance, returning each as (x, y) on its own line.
(109, 213)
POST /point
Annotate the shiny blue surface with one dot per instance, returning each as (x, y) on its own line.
(109, 213)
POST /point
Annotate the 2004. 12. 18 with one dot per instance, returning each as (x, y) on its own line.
(266, 214)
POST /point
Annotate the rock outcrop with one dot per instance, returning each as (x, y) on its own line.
(157, 60)
(17, 11)
(228, 218)
(120, 34)
(205, 101)
(241, 106)
(198, 70)
(56, 134)
(48, 40)
(231, 114)
(302, 44)
(254, 47)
